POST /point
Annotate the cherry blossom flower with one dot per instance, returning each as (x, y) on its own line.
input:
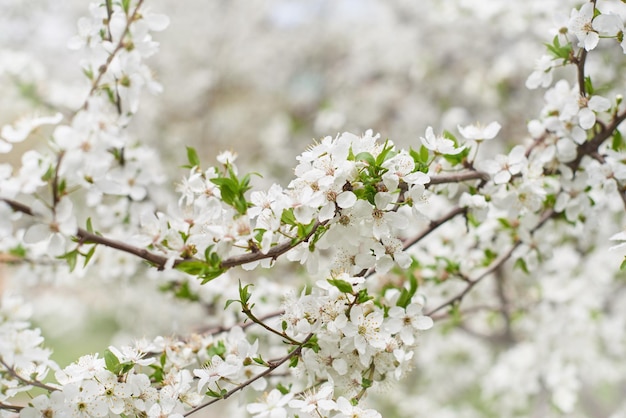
(320, 400)
(502, 167)
(364, 332)
(406, 322)
(20, 130)
(347, 410)
(213, 371)
(55, 228)
(272, 406)
(542, 74)
(440, 144)
(580, 25)
(480, 133)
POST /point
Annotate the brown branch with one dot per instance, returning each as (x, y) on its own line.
(458, 177)
(580, 64)
(492, 268)
(160, 261)
(24, 380)
(273, 253)
(12, 408)
(434, 225)
(104, 67)
(243, 325)
(273, 366)
(590, 147)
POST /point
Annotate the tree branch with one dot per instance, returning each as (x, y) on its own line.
(24, 380)
(493, 267)
(273, 366)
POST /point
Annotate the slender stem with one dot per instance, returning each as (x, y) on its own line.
(243, 325)
(104, 68)
(248, 312)
(12, 408)
(492, 268)
(458, 177)
(24, 380)
(434, 225)
(273, 366)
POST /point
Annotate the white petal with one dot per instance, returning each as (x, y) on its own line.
(346, 199)
(37, 233)
(423, 323)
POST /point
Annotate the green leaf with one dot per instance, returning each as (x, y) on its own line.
(192, 157)
(521, 264)
(589, 85)
(18, 251)
(70, 258)
(367, 157)
(407, 294)
(206, 271)
(158, 375)
(385, 154)
(305, 230)
(126, 6)
(288, 218)
(617, 142)
(89, 255)
(559, 51)
(218, 349)
(293, 362)
(244, 294)
(622, 267)
(282, 389)
(313, 344)
(363, 296)
(458, 158)
(89, 226)
(111, 361)
(342, 285)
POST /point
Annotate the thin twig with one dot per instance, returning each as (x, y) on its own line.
(493, 267)
(104, 68)
(273, 366)
(24, 380)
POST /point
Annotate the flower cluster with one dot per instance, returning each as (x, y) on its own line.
(376, 226)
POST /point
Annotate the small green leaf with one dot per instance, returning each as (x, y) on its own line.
(617, 142)
(342, 285)
(367, 157)
(293, 362)
(589, 86)
(244, 294)
(559, 51)
(18, 251)
(158, 375)
(282, 389)
(89, 255)
(363, 296)
(313, 344)
(89, 225)
(288, 218)
(458, 158)
(111, 361)
(622, 267)
(192, 157)
(70, 258)
(520, 263)
(126, 6)
(216, 349)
